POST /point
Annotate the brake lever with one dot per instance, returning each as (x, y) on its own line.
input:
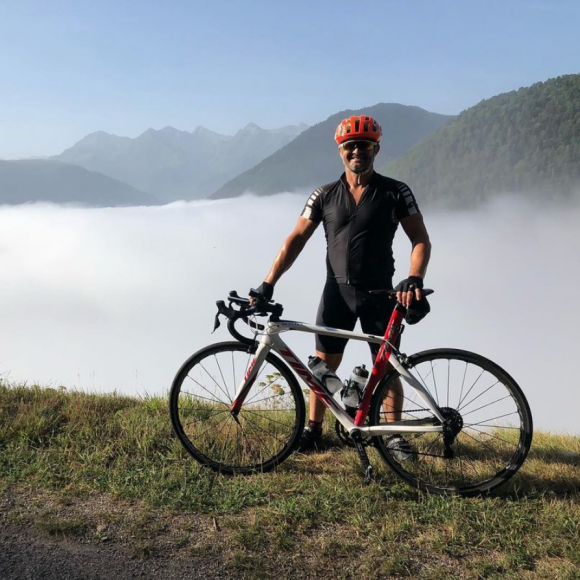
(229, 312)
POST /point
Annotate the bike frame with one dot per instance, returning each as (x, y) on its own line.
(270, 340)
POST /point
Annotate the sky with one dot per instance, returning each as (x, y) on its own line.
(117, 299)
(71, 67)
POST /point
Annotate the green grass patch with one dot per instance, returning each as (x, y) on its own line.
(313, 514)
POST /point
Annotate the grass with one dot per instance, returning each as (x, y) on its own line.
(312, 516)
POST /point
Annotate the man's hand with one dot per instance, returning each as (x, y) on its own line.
(266, 291)
(409, 289)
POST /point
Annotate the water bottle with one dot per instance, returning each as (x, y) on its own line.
(324, 374)
(352, 392)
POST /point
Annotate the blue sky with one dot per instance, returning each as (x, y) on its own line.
(68, 68)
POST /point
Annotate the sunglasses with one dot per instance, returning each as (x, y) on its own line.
(362, 145)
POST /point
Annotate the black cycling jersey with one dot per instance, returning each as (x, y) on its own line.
(360, 237)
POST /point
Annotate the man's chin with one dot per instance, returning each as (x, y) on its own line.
(359, 169)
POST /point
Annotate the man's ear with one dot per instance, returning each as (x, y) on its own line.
(377, 149)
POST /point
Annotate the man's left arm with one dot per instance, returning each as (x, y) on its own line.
(414, 227)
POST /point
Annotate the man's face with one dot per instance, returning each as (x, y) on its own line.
(358, 155)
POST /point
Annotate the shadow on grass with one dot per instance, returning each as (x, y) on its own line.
(554, 478)
(551, 456)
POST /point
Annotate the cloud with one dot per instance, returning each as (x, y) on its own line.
(117, 299)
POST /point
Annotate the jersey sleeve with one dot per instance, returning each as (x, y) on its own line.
(313, 209)
(406, 204)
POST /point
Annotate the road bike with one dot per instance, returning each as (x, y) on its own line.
(238, 407)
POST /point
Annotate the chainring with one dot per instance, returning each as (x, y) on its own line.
(345, 438)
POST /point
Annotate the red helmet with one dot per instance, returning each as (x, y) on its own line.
(358, 127)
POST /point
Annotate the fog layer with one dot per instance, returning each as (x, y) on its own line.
(116, 299)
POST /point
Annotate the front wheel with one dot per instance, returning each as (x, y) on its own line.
(268, 426)
(488, 424)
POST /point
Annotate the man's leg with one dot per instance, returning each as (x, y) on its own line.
(393, 403)
(375, 313)
(333, 311)
(336, 309)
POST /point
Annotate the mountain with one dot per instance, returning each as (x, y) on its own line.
(51, 181)
(522, 141)
(311, 159)
(173, 164)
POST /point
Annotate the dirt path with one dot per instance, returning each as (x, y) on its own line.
(98, 538)
(26, 554)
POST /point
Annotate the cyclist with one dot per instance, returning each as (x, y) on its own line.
(360, 213)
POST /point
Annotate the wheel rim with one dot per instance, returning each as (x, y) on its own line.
(262, 432)
(487, 426)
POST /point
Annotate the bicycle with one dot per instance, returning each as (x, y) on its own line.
(238, 408)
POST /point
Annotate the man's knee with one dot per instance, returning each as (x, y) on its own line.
(332, 360)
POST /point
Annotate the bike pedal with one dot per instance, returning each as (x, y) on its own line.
(368, 474)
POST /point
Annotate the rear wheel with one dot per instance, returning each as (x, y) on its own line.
(488, 424)
(268, 426)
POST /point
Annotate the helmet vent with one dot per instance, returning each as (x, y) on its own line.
(361, 127)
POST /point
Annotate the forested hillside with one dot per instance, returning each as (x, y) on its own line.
(523, 141)
(311, 159)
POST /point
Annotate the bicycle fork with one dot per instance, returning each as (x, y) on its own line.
(259, 357)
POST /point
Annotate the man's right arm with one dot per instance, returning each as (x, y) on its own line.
(291, 249)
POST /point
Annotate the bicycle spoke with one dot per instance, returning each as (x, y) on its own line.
(268, 418)
(480, 395)
(435, 384)
(211, 377)
(490, 425)
(489, 404)
(206, 390)
(261, 390)
(510, 443)
(482, 444)
(263, 430)
(460, 462)
(222, 375)
(264, 399)
(197, 420)
(424, 382)
(470, 463)
(226, 440)
(199, 435)
(462, 385)
(471, 388)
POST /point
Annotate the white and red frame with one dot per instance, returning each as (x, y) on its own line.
(270, 340)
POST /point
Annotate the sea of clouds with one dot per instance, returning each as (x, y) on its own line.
(116, 299)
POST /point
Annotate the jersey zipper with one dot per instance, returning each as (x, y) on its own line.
(356, 206)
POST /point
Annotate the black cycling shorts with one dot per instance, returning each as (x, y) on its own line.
(340, 307)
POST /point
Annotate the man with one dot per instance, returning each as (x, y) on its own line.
(360, 213)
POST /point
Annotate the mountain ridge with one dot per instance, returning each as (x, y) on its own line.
(311, 158)
(174, 164)
(41, 180)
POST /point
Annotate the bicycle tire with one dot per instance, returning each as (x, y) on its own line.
(482, 400)
(269, 424)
